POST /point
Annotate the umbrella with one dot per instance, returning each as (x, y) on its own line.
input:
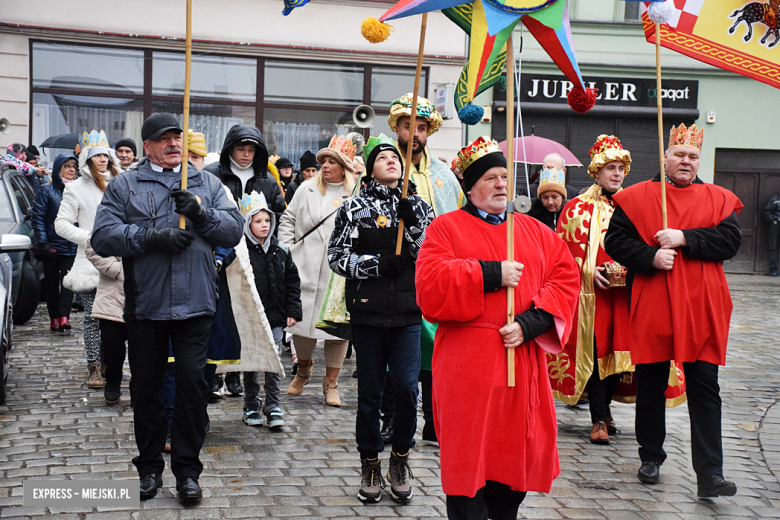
(536, 148)
(68, 141)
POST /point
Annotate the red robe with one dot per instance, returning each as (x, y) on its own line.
(486, 430)
(682, 314)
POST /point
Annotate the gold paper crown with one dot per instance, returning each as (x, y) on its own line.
(93, 139)
(607, 149)
(686, 136)
(343, 145)
(403, 107)
(197, 143)
(470, 154)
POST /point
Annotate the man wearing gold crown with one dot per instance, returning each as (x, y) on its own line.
(438, 186)
(507, 444)
(597, 351)
(680, 303)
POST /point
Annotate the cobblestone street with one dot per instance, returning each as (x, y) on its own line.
(53, 427)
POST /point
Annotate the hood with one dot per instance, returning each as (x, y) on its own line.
(237, 134)
(56, 179)
(248, 219)
(84, 169)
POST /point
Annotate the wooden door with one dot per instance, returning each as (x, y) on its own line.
(746, 187)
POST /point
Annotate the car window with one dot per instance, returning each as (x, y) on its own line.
(21, 200)
(6, 211)
(26, 188)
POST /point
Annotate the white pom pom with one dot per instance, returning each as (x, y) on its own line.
(661, 12)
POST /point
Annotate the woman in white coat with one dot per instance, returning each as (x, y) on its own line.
(98, 164)
(305, 227)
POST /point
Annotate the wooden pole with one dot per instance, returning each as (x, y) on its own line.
(412, 125)
(186, 124)
(510, 195)
(660, 120)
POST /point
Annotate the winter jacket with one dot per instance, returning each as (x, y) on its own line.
(291, 188)
(45, 208)
(366, 229)
(771, 212)
(262, 182)
(160, 285)
(548, 218)
(277, 281)
(80, 200)
(110, 296)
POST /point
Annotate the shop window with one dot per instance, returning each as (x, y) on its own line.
(388, 84)
(329, 84)
(213, 120)
(290, 133)
(96, 69)
(219, 77)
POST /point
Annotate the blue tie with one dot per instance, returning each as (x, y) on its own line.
(493, 219)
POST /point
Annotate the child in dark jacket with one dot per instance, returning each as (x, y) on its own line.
(279, 287)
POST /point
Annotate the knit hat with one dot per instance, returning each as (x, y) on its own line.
(32, 152)
(374, 146)
(157, 124)
(283, 162)
(402, 107)
(607, 149)
(129, 143)
(340, 149)
(197, 143)
(309, 160)
(552, 180)
(477, 158)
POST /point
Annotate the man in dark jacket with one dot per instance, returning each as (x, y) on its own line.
(243, 167)
(771, 214)
(381, 300)
(56, 253)
(309, 168)
(170, 293)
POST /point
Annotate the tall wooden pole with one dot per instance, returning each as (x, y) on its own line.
(510, 195)
(412, 126)
(660, 120)
(186, 124)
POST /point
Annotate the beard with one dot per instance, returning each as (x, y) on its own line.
(417, 147)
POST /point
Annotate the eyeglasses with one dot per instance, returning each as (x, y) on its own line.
(69, 166)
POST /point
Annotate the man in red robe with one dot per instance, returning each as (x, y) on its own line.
(680, 302)
(506, 444)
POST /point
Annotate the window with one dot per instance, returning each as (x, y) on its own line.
(21, 201)
(313, 83)
(217, 77)
(6, 211)
(633, 12)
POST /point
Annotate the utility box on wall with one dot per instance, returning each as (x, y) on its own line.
(445, 100)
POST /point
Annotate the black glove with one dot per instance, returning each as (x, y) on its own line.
(406, 212)
(393, 266)
(171, 240)
(187, 204)
(42, 250)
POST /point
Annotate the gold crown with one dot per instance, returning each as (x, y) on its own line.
(686, 136)
(403, 107)
(468, 155)
(343, 145)
(607, 149)
(197, 143)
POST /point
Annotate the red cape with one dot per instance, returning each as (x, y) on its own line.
(510, 434)
(682, 314)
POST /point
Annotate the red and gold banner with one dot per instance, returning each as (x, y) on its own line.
(733, 35)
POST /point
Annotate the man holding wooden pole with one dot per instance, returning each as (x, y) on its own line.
(680, 303)
(506, 444)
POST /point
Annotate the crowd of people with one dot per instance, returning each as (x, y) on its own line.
(211, 281)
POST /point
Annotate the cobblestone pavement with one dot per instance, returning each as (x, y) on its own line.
(53, 427)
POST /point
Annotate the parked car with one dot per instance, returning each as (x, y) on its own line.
(16, 199)
(9, 244)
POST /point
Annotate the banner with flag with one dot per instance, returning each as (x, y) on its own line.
(733, 35)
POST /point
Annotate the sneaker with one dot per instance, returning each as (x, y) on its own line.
(400, 488)
(167, 447)
(253, 417)
(371, 482)
(233, 384)
(112, 394)
(275, 419)
(217, 390)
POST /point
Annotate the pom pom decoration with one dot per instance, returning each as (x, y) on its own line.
(661, 12)
(580, 100)
(375, 31)
(471, 114)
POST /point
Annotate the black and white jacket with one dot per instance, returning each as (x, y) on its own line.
(366, 228)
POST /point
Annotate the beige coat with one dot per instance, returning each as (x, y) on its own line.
(311, 254)
(110, 297)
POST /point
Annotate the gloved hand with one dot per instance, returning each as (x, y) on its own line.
(406, 212)
(42, 250)
(171, 240)
(187, 204)
(393, 266)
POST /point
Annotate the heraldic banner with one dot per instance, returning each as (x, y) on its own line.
(733, 35)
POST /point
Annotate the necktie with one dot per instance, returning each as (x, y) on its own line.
(493, 219)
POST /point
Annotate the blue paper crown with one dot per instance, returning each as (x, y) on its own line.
(555, 176)
(252, 202)
(93, 139)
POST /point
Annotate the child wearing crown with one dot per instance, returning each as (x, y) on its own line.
(279, 287)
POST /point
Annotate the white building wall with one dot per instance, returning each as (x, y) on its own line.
(14, 87)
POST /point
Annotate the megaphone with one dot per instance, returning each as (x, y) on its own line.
(363, 116)
(5, 126)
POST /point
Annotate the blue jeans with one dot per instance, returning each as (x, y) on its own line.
(272, 383)
(386, 352)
